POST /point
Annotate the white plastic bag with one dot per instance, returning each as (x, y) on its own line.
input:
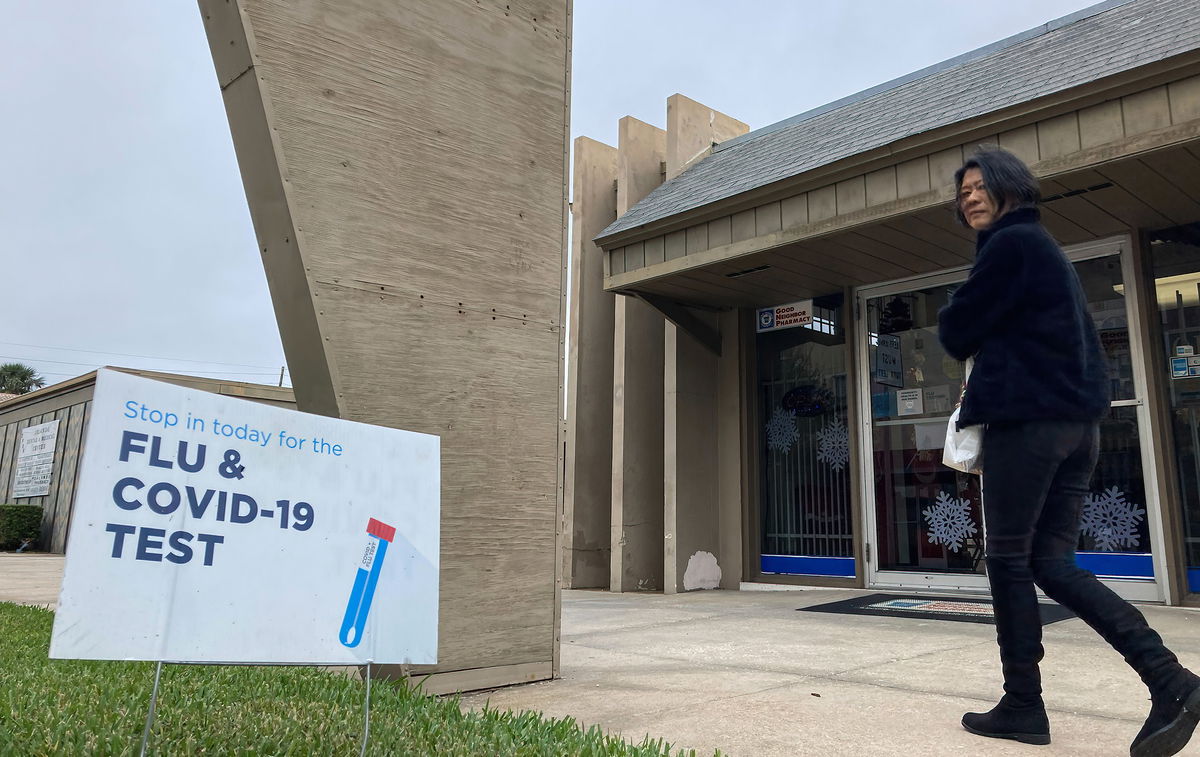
(964, 449)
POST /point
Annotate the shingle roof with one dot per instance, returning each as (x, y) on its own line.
(1100, 41)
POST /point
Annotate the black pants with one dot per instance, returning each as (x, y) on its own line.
(1035, 478)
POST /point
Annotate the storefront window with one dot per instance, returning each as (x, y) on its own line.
(1175, 256)
(1114, 512)
(805, 442)
(1114, 521)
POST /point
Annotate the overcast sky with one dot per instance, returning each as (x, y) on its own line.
(124, 234)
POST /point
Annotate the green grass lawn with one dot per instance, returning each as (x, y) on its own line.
(75, 707)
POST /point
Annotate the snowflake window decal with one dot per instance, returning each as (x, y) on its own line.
(781, 430)
(833, 444)
(1112, 520)
(950, 522)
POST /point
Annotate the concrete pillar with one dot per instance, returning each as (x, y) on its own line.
(732, 465)
(704, 458)
(690, 463)
(637, 420)
(696, 555)
(588, 484)
(692, 129)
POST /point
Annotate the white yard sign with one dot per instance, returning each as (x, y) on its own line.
(212, 529)
(35, 460)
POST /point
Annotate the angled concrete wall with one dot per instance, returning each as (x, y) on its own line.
(404, 164)
(637, 399)
(588, 497)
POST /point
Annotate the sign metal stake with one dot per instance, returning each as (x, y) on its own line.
(153, 704)
(366, 713)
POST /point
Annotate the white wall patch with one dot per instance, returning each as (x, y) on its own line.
(702, 572)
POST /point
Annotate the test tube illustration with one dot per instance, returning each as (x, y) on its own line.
(380, 535)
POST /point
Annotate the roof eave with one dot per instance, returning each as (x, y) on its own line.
(914, 145)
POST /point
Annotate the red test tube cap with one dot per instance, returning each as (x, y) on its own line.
(381, 529)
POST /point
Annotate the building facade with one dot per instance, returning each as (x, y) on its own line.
(757, 389)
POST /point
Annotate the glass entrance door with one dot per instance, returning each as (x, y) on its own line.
(924, 521)
(927, 518)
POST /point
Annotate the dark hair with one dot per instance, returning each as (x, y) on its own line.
(1007, 179)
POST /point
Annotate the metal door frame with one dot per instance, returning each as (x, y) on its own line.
(1146, 590)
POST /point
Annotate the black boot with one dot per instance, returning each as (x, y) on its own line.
(1020, 715)
(1174, 690)
(1174, 712)
(1023, 722)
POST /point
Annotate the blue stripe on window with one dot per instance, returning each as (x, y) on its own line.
(1194, 580)
(1116, 564)
(792, 565)
(1105, 564)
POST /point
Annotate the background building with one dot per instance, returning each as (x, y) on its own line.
(70, 403)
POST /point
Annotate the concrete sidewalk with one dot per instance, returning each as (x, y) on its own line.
(30, 578)
(745, 673)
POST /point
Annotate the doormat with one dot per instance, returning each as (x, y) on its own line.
(930, 608)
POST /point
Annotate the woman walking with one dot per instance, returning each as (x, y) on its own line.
(1040, 384)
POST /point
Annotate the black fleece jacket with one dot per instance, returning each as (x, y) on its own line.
(1023, 315)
